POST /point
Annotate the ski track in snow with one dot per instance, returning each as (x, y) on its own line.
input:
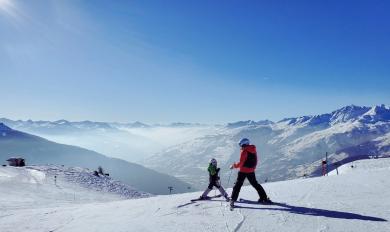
(222, 209)
(238, 226)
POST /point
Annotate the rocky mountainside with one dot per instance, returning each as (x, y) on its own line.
(290, 148)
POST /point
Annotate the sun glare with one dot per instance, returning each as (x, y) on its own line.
(7, 7)
(5, 4)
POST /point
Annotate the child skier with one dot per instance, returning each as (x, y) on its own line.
(214, 180)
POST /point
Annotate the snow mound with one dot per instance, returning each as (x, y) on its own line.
(369, 165)
(85, 178)
(47, 186)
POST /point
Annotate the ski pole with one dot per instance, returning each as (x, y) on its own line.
(231, 170)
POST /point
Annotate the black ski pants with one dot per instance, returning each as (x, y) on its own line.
(252, 180)
(214, 181)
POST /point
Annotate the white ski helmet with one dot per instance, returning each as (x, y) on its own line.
(243, 141)
(213, 162)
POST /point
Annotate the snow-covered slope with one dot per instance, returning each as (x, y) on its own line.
(356, 200)
(44, 186)
(288, 149)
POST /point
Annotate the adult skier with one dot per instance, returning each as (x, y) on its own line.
(247, 166)
(214, 181)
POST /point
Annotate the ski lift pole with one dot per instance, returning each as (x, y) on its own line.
(327, 170)
(323, 164)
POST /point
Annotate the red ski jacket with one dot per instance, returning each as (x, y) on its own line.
(248, 159)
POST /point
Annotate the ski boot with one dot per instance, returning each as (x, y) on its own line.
(231, 204)
(265, 201)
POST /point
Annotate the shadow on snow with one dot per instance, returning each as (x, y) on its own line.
(311, 211)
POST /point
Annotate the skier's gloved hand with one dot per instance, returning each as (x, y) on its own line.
(218, 169)
(232, 166)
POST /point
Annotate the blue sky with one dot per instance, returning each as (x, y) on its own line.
(192, 61)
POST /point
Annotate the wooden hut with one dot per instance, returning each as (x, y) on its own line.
(16, 162)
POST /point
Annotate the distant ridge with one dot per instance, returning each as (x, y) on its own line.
(39, 151)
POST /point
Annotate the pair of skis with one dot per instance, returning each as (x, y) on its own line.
(206, 198)
(245, 201)
(241, 200)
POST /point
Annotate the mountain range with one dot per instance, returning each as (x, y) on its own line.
(129, 141)
(290, 148)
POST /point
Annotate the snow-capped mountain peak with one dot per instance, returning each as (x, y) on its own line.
(348, 113)
(138, 124)
(377, 113)
(61, 122)
(249, 123)
(342, 115)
